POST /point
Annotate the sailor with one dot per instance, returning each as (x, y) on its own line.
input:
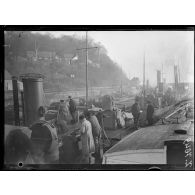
(135, 109)
(96, 131)
(149, 114)
(72, 108)
(44, 141)
(87, 140)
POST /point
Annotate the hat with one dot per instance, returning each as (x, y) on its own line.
(87, 113)
(81, 117)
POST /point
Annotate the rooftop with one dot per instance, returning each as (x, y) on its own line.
(152, 137)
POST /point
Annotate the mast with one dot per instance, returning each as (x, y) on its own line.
(86, 71)
(86, 78)
(179, 79)
(162, 81)
(176, 79)
(121, 81)
(35, 50)
(144, 78)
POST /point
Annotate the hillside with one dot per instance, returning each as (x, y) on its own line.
(28, 52)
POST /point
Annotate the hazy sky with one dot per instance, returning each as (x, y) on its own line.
(161, 48)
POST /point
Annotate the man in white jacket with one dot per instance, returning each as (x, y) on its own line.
(87, 141)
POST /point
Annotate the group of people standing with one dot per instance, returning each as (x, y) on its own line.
(90, 130)
(66, 110)
(42, 146)
(136, 112)
(48, 152)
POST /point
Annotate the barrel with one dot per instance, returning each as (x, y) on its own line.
(33, 96)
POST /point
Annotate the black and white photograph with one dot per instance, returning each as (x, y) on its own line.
(98, 98)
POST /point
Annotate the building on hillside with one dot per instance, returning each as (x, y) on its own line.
(30, 54)
(68, 57)
(45, 55)
(41, 55)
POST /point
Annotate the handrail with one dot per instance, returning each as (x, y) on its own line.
(180, 108)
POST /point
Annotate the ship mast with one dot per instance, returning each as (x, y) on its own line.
(144, 78)
(86, 78)
(86, 70)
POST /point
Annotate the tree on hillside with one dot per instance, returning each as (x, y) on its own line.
(102, 70)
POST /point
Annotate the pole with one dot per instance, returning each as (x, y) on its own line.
(162, 81)
(35, 50)
(121, 81)
(144, 79)
(179, 80)
(86, 71)
(87, 48)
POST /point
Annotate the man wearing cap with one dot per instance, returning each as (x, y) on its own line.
(72, 108)
(135, 109)
(149, 114)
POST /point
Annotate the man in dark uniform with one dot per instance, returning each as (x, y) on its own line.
(72, 108)
(135, 109)
(149, 114)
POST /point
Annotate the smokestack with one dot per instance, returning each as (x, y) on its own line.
(147, 84)
(176, 77)
(33, 96)
(158, 78)
(16, 100)
(164, 85)
(164, 81)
